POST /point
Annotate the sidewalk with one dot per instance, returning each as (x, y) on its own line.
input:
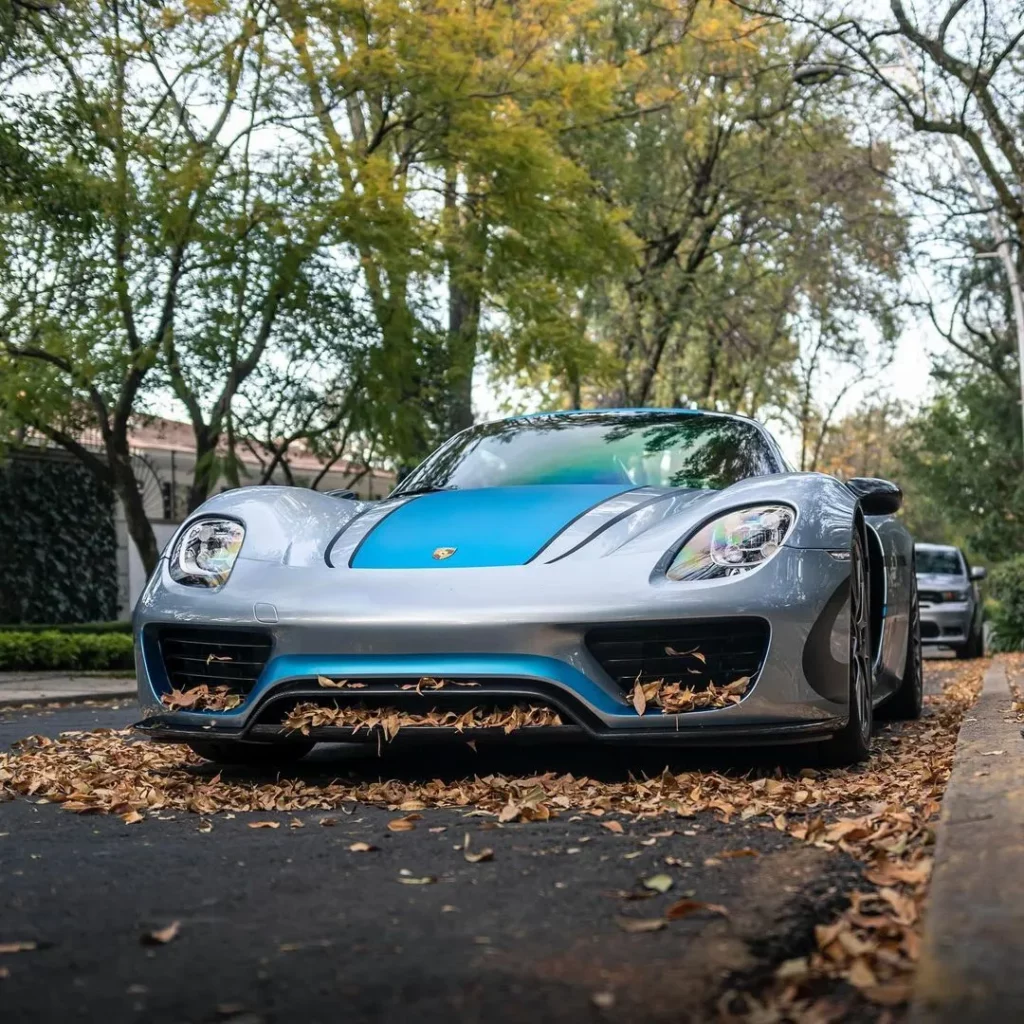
(970, 967)
(49, 687)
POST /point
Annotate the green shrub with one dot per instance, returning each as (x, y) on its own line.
(50, 649)
(1007, 588)
(117, 626)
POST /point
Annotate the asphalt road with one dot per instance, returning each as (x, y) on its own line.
(289, 924)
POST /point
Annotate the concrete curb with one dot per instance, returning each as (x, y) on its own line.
(63, 689)
(973, 948)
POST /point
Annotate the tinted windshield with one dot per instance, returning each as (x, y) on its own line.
(942, 560)
(635, 450)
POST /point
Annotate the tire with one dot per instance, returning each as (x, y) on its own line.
(263, 755)
(852, 744)
(906, 703)
(975, 646)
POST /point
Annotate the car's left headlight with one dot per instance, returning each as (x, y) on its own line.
(205, 553)
(733, 544)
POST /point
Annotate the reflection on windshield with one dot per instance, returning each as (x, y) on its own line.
(946, 562)
(656, 449)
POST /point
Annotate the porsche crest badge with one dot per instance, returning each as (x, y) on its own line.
(442, 553)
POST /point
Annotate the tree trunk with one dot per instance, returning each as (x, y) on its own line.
(139, 527)
(463, 329)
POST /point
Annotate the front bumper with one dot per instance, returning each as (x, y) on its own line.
(947, 623)
(519, 631)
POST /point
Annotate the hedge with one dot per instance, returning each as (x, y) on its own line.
(1007, 587)
(68, 651)
(117, 626)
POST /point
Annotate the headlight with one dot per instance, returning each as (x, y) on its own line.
(954, 595)
(205, 553)
(733, 544)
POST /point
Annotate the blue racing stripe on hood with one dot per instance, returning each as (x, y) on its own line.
(491, 526)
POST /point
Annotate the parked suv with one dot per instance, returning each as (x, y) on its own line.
(951, 609)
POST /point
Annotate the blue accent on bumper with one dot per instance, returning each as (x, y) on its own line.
(487, 527)
(446, 666)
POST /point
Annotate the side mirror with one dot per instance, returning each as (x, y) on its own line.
(342, 493)
(877, 497)
(978, 572)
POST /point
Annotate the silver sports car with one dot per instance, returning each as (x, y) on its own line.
(637, 575)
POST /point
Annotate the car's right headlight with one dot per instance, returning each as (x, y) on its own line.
(733, 544)
(206, 551)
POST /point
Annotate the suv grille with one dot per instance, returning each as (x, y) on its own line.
(216, 657)
(731, 648)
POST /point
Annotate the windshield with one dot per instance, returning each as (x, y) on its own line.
(945, 561)
(657, 449)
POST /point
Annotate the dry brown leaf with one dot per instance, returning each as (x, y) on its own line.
(480, 855)
(264, 824)
(684, 908)
(406, 824)
(635, 925)
(25, 946)
(411, 880)
(362, 847)
(659, 883)
(132, 818)
(161, 936)
(613, 826)
(331, 684)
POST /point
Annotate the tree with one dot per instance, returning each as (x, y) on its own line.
(207, 250)
(441, 124)
(753, 218)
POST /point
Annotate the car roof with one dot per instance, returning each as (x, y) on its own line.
(937, 547)
(642, 411)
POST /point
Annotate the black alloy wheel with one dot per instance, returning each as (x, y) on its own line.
(852, 744)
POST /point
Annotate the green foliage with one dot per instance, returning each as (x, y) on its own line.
(964, 452)
(31, 651)
(58, 562)
(114, 626)
(1007, 613)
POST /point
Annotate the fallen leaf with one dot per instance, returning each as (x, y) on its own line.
(481, 855)
(264, 824)
(613, 826)
(132, 818)
(746, 851)
(406, 824)
(425, 880)
(362, 847)
(328, 822)
(296, 823)
(659, 883)
(161, 936)
(18, 947)
(603, 1000)
(684, 908)
(331, 684)
(636, 925)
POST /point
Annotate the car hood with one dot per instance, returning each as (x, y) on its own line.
(488, 526)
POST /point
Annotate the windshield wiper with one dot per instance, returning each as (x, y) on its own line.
(426, 489)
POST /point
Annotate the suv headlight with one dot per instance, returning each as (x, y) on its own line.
(733, 544)
(205, 553)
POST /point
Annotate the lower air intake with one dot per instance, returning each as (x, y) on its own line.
(214, 657)
(693, 654)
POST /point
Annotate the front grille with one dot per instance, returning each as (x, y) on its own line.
(929, 597)
(692, 653)
(216, 657)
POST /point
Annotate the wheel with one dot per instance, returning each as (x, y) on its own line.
(852, 744)
(268, 755)
(975, 646)
(906, 702)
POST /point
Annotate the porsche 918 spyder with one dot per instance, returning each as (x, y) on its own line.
(649, 576)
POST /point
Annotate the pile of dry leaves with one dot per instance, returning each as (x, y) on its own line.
(304, 717)
(883, 815)
(201, 698)
(674, 698)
